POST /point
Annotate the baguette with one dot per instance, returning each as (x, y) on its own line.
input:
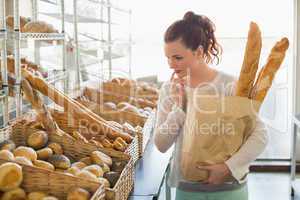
(267, 73)
(250, 62)
(79, 111)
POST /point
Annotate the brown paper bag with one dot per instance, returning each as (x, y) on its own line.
(215, 128)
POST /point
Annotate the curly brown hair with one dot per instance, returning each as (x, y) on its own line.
(195, 31)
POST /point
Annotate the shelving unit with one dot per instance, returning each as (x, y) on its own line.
(37, 38)
(4, 90)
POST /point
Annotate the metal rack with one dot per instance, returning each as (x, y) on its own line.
(17, 37)
(4, 90)
(108, 42)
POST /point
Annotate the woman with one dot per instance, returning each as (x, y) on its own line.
(190, 46)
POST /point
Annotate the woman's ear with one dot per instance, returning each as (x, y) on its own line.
(199, 52)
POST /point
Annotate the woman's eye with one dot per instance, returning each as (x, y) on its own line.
(178, 58)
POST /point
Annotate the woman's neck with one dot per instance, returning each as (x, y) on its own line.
(201, 74)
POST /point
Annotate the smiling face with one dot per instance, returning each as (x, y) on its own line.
(180, 58)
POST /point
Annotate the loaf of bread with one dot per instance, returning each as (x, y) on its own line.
(15, 194)
(7, 145)
(99, 158)
(95, 169)
(44, 154)
(44, 165)
(60, 161)
(26, 152)
(78, 194)
(56, 148)
(73, 170)
(10, 22)
(104, 181)
(87, 175)
(11, 176)
(36, 195)
(37, 140)
(79, 165)
(7, 155)
(39, 27)
(86, 160)
(23, 160)
(250, 62)
(267, 73)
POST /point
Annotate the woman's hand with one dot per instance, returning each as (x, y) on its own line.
(217, 173)
(177, 90)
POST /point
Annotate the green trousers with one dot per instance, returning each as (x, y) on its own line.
(238, 194)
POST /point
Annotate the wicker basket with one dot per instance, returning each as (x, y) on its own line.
(104, 96)
(69, 125)
(51, 182)
(127, 90)
(76, 150)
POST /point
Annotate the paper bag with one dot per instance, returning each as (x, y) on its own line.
(215, 128)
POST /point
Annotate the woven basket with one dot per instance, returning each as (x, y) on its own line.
(127, 90)
(75, 150)
(51, 182)
(104, 96)
(69, 125)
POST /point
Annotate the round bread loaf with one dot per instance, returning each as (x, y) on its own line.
(60, 161)
(37, 139)
(15, 194)
(6, 155)
(44, 154)
(86, 175)
(25, 152)
(36, 195)
(23, 160)
(56, 148)
(99, 158)
(78, 194)
(44, 165)
(95, 169)
(11, 176)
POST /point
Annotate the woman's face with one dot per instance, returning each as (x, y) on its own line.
(180, 58)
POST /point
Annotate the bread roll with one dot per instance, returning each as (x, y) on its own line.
(23, 160)
(73, 170)
(86, 160)
(44, 154)
(36, 195)
(87, 175)
(11, 176)
(60, 161)
(15, 194)
(25, 152)
(267, 73)
(78, 194)
(250, 62)
(112, 177)
(79, 165)
(118, 146)
(130, 108)
(105, 168)
(39, 27)
(56, 148)
(8, 145)
(104, 181)
(44, 165)
(100, 158)
(37, 140)
(106, 143)
(10, 22)
(7, 155)
(95, 169)
(122, 105)
(50, 198)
